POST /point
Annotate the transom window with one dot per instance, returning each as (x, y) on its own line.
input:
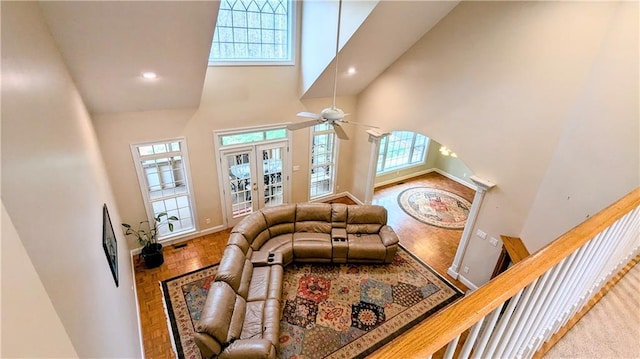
(253, 31)
(163, 174)
(253, 136)
(323, 160)
(401, 149)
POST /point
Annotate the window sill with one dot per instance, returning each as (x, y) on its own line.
(174, 235)
(250, 63)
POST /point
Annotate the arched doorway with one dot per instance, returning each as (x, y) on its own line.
(405, 163)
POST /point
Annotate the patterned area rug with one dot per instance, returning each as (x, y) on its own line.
(329, 311)
(436, 207)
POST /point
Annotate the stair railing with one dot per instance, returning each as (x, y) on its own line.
(514, 314)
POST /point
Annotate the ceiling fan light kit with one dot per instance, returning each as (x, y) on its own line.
(331, 115)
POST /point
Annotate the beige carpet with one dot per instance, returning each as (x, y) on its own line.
(611, 329)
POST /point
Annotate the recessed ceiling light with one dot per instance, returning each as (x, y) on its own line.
(351, 71)
(149, 75)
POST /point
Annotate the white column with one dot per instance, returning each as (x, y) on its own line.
(482, 186)
(374, 138)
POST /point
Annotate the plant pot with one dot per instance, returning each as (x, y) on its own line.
(152, 255)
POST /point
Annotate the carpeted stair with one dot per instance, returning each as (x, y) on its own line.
(611, 329)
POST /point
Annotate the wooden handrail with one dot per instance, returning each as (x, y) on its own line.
(437, 331)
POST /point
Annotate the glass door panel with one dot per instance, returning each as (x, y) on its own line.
(272, 172)
(239, 183)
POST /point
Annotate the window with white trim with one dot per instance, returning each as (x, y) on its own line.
(163, 174)
(253, 31)
(323, 160)
(401, 149)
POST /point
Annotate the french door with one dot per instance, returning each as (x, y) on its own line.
(254, 177)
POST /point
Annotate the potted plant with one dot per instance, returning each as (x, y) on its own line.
(147, 236)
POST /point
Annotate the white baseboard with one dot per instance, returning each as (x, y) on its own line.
(186, 237)
(135, 294)
(337, 195)
(467, 282)
(454, 178)
(424, 172)
(452, 273)
(402, 178)
(354, 198)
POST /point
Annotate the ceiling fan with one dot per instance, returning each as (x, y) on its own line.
(331, 115)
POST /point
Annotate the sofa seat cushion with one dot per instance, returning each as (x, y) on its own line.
(308, 245)
(366, 246)
(249, 348)
(266, 283)
(280, 244)
(262, 320)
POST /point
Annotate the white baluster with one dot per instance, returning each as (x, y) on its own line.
(471, 339)
(502, 325)
(451, 348)
(508, 340)
(486, 334)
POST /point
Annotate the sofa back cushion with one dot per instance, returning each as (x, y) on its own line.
(280, 219)
(235, 269)
(222, 314)
(366, 219)
(254, 228)
(239, 240)
(339, 215)
(313, 217)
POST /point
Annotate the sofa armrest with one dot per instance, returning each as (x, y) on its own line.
(388, 236)
(262, 258)
(249, 348)
(339, 233)
(209, 347)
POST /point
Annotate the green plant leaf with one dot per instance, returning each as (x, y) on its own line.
(126, 225)
(173, 218)
(171, 227)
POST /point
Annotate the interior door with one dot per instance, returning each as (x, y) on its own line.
(271, 168)
(240, 183)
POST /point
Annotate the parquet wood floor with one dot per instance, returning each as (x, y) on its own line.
(434, 245)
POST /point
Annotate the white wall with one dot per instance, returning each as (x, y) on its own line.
(318, 34)
(233, 97)
(497, 82)
(54, 185)
(596, 159)
(26, 305)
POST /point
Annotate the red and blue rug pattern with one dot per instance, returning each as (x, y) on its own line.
(328, 311)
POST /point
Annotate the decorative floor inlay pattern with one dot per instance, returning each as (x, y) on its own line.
(435, 207)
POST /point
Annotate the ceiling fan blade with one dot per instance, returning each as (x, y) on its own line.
(309, 115)
(340, 131)
(360, 124)
(299, 125)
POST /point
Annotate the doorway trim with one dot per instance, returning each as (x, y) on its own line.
(218, 148)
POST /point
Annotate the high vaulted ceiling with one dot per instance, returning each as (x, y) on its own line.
(108, 44)
(388, 31)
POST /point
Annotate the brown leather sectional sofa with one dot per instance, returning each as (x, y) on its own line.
(241, 315)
